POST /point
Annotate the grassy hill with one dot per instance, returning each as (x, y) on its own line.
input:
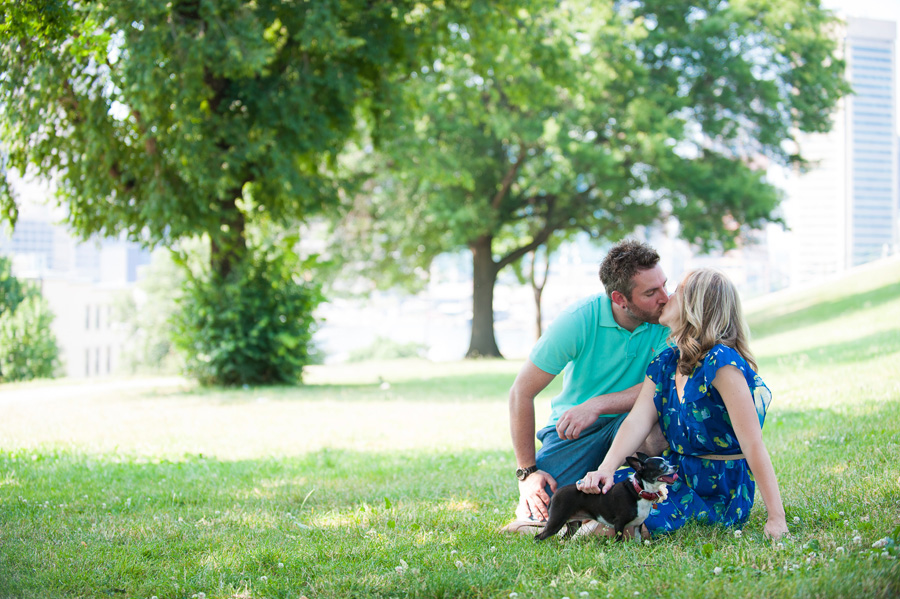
(391, 480)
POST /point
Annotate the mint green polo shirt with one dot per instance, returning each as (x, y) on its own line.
(595, 354)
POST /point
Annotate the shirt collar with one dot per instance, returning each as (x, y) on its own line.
(608, 320)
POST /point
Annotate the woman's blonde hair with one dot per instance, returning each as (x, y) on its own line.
(710, 314)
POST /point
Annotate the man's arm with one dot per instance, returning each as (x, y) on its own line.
(575, 420)
(530, 381)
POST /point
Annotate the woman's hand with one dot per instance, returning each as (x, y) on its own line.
(775, 528)
(596, 482)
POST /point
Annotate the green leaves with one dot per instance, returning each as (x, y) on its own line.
(28, 347)
(253, 327)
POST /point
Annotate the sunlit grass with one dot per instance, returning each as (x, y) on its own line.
(391, 480)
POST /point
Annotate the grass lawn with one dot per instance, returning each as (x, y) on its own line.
(350, 488)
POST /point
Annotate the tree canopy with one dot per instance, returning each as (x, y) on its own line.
(169, 120)
(593, 115)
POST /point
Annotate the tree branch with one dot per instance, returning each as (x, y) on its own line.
(509, 177)
(539, 238)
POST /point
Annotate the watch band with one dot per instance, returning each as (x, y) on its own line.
(522, 473)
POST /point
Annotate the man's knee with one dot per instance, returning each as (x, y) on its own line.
(655, 443)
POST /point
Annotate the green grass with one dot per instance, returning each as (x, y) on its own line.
(152, 487)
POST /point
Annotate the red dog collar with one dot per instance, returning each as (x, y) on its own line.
(645, 494)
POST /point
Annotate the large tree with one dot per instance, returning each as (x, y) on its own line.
(594, 115)
(169, 120)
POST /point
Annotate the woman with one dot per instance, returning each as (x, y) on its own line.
(710, 404)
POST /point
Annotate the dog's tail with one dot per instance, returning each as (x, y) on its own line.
(554, 525)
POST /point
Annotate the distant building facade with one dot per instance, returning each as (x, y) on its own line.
(81, 281)
(845, 211)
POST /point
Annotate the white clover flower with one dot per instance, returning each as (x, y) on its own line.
(264, 579)
(738, 534)
(513, 595)
(841, 514)
(647, 542)
(880, 543)
(593, 583)
(201, 595)
(840, 549)
(583, 594)
(280, 565)
(857, 539)
(459, 564)
(796, 519)
(717, 570)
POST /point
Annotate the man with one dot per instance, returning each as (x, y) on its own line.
(602, 345)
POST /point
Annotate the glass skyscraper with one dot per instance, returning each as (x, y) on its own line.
(872, 142)
(844, 212)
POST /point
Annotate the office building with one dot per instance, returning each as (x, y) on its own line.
(844, 211)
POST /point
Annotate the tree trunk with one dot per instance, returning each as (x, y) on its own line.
(228, 245)
(483, 343)
(538, 288)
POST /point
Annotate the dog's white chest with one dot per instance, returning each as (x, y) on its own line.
(643, 510)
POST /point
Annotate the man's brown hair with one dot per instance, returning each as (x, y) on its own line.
(624, 260)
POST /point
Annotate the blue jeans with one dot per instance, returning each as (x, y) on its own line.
(568, 460)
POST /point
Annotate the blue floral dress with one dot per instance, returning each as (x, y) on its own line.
(715, 491)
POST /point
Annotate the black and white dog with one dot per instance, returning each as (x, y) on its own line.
(625, 506)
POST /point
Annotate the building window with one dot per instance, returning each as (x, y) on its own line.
(87, 317)
(87, 362)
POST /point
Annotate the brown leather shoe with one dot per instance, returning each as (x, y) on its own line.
(524, 527)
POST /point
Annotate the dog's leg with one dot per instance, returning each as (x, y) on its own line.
(636, 533)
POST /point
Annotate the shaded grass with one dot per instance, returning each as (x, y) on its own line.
(347, 487)
(343, 523)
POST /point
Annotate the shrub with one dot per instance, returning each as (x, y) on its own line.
(28, 348)
(253, 328)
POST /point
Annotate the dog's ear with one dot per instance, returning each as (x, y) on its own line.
(643, 457)
(635, 463)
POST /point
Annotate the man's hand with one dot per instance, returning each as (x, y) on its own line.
(532, 490)
(575, 420)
